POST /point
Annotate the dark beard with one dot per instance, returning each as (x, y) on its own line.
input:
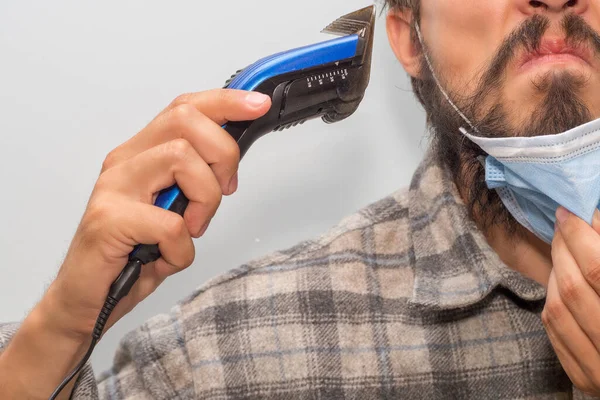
(560, 109)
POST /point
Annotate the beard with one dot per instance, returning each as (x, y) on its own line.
(560, 108)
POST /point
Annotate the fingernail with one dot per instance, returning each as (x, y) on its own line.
(233, 183)
(562, 214)
(204, 228)
(256, 99)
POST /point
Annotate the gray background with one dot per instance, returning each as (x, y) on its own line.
(78, 78)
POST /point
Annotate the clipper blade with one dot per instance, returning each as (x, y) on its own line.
(358, 22)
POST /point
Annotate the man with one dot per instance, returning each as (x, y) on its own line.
(443, 290)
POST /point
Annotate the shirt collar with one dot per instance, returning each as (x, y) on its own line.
(454, 266)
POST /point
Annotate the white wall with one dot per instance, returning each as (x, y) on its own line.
(78, 78)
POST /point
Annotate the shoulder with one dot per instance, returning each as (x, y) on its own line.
(280, 318)
(376, 235)
(295, 314)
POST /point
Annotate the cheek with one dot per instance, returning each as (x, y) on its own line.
(463, 39)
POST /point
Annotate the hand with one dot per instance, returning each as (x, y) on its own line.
(571, 315)
(184, 144)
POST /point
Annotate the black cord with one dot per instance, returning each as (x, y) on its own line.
(75, 371)
(119, 289)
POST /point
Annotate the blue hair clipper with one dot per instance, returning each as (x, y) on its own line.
(326, 80)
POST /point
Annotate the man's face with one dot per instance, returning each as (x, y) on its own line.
(527, 60)
(513, 67)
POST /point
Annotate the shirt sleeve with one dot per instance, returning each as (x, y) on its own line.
(151, 362)
(85, 387)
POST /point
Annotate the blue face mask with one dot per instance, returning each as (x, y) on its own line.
(534, 175)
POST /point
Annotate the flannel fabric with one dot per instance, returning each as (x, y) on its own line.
(402, 300)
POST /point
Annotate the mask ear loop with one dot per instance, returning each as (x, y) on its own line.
(439, 85)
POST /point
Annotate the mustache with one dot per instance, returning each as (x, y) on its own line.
(528, 36)
(578, 32)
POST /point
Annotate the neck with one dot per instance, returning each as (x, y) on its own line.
(522, 251)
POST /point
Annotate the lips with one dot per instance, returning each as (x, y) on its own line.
(554, 50)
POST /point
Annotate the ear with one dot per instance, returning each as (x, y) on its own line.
(398, 23)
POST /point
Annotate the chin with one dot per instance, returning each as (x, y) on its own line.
(554, 101)
(530, 84)
(566, 77)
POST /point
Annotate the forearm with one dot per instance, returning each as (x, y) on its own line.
(39, 357)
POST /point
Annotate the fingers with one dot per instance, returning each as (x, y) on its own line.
(574, 290)
(209, 140)
(573, 304)
(197, 118)
(223, 105)
(184, 144)
(162, 166)
(583, 242)
(137, 223)
(554, 314)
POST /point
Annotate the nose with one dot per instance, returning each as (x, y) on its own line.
(554, 6)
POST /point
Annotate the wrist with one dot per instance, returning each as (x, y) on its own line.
(64, 318)
(38, 358)
(11, 385)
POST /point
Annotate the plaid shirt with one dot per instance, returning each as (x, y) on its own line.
(402, 300)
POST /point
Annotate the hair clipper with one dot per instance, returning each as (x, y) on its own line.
(326, 80)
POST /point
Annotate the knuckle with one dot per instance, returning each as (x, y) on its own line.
(591, 272)
(214, 196)
(571, 227)
(188, 257)
(110, 160)
(182, 99)
(231, 153)
(184, 259)
(97, 216)
(211, 199)
(545, 318)
(175, 226)
(103, 182)
(179, 149)
(569, 289)
(553, 312)
(181, 115)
